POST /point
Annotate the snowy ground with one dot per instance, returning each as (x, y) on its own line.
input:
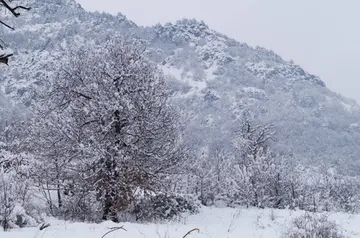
(212, 222)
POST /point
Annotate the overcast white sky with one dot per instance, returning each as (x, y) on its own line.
(323, 36)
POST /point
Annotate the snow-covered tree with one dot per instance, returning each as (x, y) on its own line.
(105, 123)
(256, 172)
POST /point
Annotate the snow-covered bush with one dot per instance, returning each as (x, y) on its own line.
(80, 206)
(314, 189)
(14, 195)
(163, 207)
(313, 226)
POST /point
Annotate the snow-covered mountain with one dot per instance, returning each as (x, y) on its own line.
(217, 79)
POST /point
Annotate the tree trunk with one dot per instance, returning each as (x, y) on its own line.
(59, 195)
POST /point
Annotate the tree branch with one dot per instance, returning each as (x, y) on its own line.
(13, 10)
(4, 58)
(3, 23)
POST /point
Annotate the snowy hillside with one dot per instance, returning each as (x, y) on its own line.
(103, 120)
(213, 76)
(209, 71)
(212, 222)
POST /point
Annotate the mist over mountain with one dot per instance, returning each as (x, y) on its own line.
(215, 79)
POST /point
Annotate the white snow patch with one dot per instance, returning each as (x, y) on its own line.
(347, 107)
(355, 125)
(210, 73)
(180, 75)
(252, 90)
(6, 51)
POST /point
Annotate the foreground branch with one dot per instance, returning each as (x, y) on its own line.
(195, 229)
(8, 26)
(44, 226)
(112, 229)
(4, 58)
(13, 10)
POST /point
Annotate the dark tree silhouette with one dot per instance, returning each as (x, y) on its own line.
(4, 58)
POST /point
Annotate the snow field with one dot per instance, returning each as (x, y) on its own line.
(212, 223)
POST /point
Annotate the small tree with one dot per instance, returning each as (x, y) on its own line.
(256, 174)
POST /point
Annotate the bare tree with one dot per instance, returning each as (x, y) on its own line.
(4, 57)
